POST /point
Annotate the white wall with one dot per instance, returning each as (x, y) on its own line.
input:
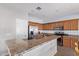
(8, 26)
(21, 29)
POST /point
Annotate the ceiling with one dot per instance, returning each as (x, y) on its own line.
(48, 11)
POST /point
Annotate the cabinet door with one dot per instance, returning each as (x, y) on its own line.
(71, 25)
(67, 42)
(53, 25)
(50, 26)
(40, 27)
(59, 24)
(78, 24)
(74, 24)
(67, 25)
(46, 26)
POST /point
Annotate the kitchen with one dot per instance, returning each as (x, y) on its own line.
(67, 40)
(33, 31)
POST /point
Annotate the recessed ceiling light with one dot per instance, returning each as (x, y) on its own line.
(38, 8)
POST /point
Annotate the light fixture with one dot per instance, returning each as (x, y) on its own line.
(38, 8)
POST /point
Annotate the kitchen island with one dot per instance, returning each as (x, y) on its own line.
(45, 46)
(36, 47)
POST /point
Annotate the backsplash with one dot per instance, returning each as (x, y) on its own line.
(73, 32)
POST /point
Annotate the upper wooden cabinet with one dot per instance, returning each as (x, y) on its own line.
(35, 24)
(32, 23)
(74, 24)
(51, 26)
(67, 25)
(78, 24)
(71, 25)
(46, 26)
(40, 27)
(59, 24)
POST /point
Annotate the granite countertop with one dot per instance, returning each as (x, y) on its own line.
(35, 42)
(17, 46)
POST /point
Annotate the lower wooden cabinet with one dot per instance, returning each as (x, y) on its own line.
(67, 42)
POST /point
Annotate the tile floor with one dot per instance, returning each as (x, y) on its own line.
(63, 51)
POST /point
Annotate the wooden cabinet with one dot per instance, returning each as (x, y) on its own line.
(74, 24)
(48, 26)
(40, 26)
(51, 26)
(45, 26)
(33, 23)
(67, 25)
(78, 24)
(71, 25)
(71, 42)
(59, 24)
(67, 42)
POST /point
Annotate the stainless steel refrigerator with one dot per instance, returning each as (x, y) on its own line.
(32, 32)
